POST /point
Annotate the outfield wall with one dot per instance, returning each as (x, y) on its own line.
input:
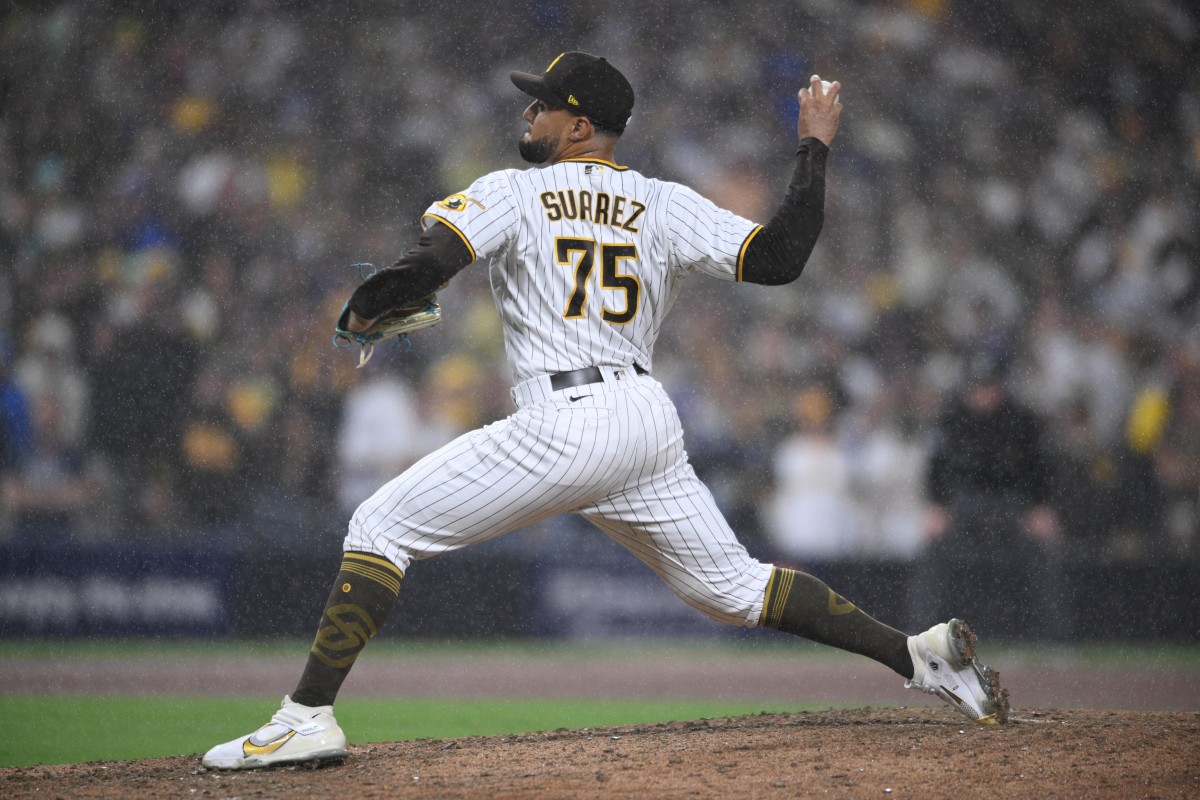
(499, 592)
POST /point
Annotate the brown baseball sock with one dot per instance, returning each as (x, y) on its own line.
(366, 588)
(802, 605)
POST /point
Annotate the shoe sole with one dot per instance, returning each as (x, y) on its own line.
(310, 758)
(962, 643)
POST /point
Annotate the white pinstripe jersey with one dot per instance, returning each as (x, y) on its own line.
(586, 258)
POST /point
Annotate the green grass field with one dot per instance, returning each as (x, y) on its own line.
(63, 730)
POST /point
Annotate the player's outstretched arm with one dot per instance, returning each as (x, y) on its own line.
(779, 252)
(437, 257)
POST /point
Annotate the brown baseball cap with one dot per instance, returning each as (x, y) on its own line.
(585, 85)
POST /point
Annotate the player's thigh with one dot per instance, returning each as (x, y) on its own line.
(674, 526)
(509, 474)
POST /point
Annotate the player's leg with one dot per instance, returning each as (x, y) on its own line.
(539, 462)
(670, 521)
(940, 661)
(701, 560)
(482, 485)
(801, 604)
(690, 545)
(363, 595)
(304, 728)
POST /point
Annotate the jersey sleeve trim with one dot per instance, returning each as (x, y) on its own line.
(471, 249)
(742, 252)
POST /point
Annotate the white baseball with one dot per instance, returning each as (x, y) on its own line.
(826, 86)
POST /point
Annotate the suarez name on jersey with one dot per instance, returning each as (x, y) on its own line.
(600, 208)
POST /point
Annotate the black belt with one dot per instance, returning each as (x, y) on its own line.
(580, 377)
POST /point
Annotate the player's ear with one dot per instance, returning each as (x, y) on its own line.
(581, 129)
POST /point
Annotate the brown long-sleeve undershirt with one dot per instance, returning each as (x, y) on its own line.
(779, 252)
(436, 258)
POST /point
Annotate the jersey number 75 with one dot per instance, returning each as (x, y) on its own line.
(581, 254)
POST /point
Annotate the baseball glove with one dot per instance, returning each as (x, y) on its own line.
(396, 322)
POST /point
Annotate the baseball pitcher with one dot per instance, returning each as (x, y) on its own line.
(586, 257)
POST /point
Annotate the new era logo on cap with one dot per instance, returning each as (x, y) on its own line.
(585, 85)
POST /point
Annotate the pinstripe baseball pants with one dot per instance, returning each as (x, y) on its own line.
(612, 452)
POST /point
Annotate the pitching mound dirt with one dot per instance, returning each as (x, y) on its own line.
(892, 753)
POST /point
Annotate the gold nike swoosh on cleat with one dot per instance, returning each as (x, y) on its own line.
(266, 749)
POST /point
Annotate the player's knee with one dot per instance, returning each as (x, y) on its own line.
(727, 606)
(734, 596)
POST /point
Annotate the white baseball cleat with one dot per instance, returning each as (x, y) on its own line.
(296, 733)
(944, 664)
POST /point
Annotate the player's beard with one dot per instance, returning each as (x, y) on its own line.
(536, 151)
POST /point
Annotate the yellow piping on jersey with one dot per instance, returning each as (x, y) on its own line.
(454, 228)
(594, 161)
(742, 252)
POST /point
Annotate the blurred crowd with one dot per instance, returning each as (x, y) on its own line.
(183, 187)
